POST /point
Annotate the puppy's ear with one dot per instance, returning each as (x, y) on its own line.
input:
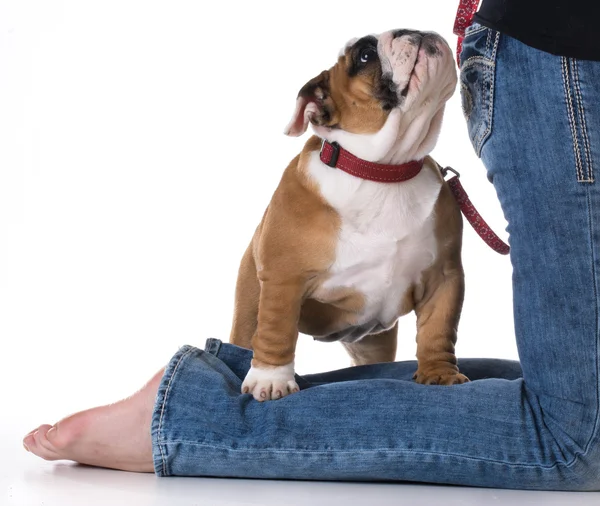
(314, 104)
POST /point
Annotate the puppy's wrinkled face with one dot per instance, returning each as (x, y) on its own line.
(401, 70)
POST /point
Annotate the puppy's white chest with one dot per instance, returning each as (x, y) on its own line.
(381, 266)
(386, 239)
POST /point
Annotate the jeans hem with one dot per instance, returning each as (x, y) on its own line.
(159, 447)
(213, 346)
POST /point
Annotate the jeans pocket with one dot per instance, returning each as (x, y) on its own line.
(477, 72)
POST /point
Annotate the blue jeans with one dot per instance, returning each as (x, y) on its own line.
(534, 119)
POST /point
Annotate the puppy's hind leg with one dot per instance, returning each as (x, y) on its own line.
(374, 348)
(247, 296)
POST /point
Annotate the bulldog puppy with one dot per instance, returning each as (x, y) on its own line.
(340, 256)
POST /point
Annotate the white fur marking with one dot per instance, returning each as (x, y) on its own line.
(270, 383)
(386, 239)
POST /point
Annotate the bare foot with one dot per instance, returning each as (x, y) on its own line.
(116, 436)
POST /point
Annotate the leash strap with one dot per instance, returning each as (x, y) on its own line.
(464, 17)
(473, 217)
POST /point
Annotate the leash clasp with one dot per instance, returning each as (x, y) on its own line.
(445, 171)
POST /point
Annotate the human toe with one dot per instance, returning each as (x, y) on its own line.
(38, 444)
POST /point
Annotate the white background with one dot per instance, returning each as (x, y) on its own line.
(140, 142)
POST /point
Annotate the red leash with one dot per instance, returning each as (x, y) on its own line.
(473, 217)
(464, 17)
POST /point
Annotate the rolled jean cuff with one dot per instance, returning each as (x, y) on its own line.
(197, 391)
(159, 449)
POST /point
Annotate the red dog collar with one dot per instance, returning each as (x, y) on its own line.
(335, 156)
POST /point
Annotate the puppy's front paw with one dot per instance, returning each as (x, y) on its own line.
(439, 374)
(270, 383)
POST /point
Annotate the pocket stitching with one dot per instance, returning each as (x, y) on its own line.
(475, 59)
(475, 30)
(584, 135)
(490, 69)
(571, 116)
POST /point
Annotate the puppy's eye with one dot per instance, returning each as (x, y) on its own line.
(367, 55)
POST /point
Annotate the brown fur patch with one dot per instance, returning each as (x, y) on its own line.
(283, 264)
(357, 108)
(374, 348)
(348, 98)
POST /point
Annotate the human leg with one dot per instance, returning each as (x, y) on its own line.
(118, 435)
(538, 432)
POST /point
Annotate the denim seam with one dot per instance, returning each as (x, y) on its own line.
(480, 59)
(376, 450)
(487, 42)
(583, 122)
(596, 428)
(159, 439)
(490, 71)
(213, 346)
(571, 115)
(475, 30)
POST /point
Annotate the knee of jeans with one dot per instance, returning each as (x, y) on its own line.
(586, 470)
